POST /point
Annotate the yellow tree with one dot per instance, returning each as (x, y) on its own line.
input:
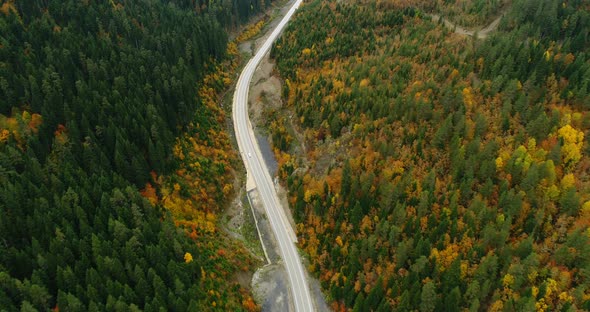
(572, 145)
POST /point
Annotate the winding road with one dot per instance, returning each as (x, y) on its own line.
(258, 174)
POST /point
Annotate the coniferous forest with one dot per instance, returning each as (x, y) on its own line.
(439, 172)
(114, 156)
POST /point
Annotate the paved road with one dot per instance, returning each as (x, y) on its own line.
(258, 172)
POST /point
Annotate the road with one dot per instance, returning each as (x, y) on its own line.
(258, 172)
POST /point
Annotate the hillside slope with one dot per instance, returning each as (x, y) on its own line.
(441, 173)
(99, 100)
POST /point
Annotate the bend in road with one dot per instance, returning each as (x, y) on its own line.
(258, 171)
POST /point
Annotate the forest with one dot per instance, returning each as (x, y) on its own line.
(114, 156)
(440, 172)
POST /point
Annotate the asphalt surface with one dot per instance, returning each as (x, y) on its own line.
(259, 175)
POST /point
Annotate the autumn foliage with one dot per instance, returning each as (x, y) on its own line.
(197, 192)
(19, 126)
(439, 173)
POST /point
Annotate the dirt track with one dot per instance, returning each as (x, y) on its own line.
(481, 34)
